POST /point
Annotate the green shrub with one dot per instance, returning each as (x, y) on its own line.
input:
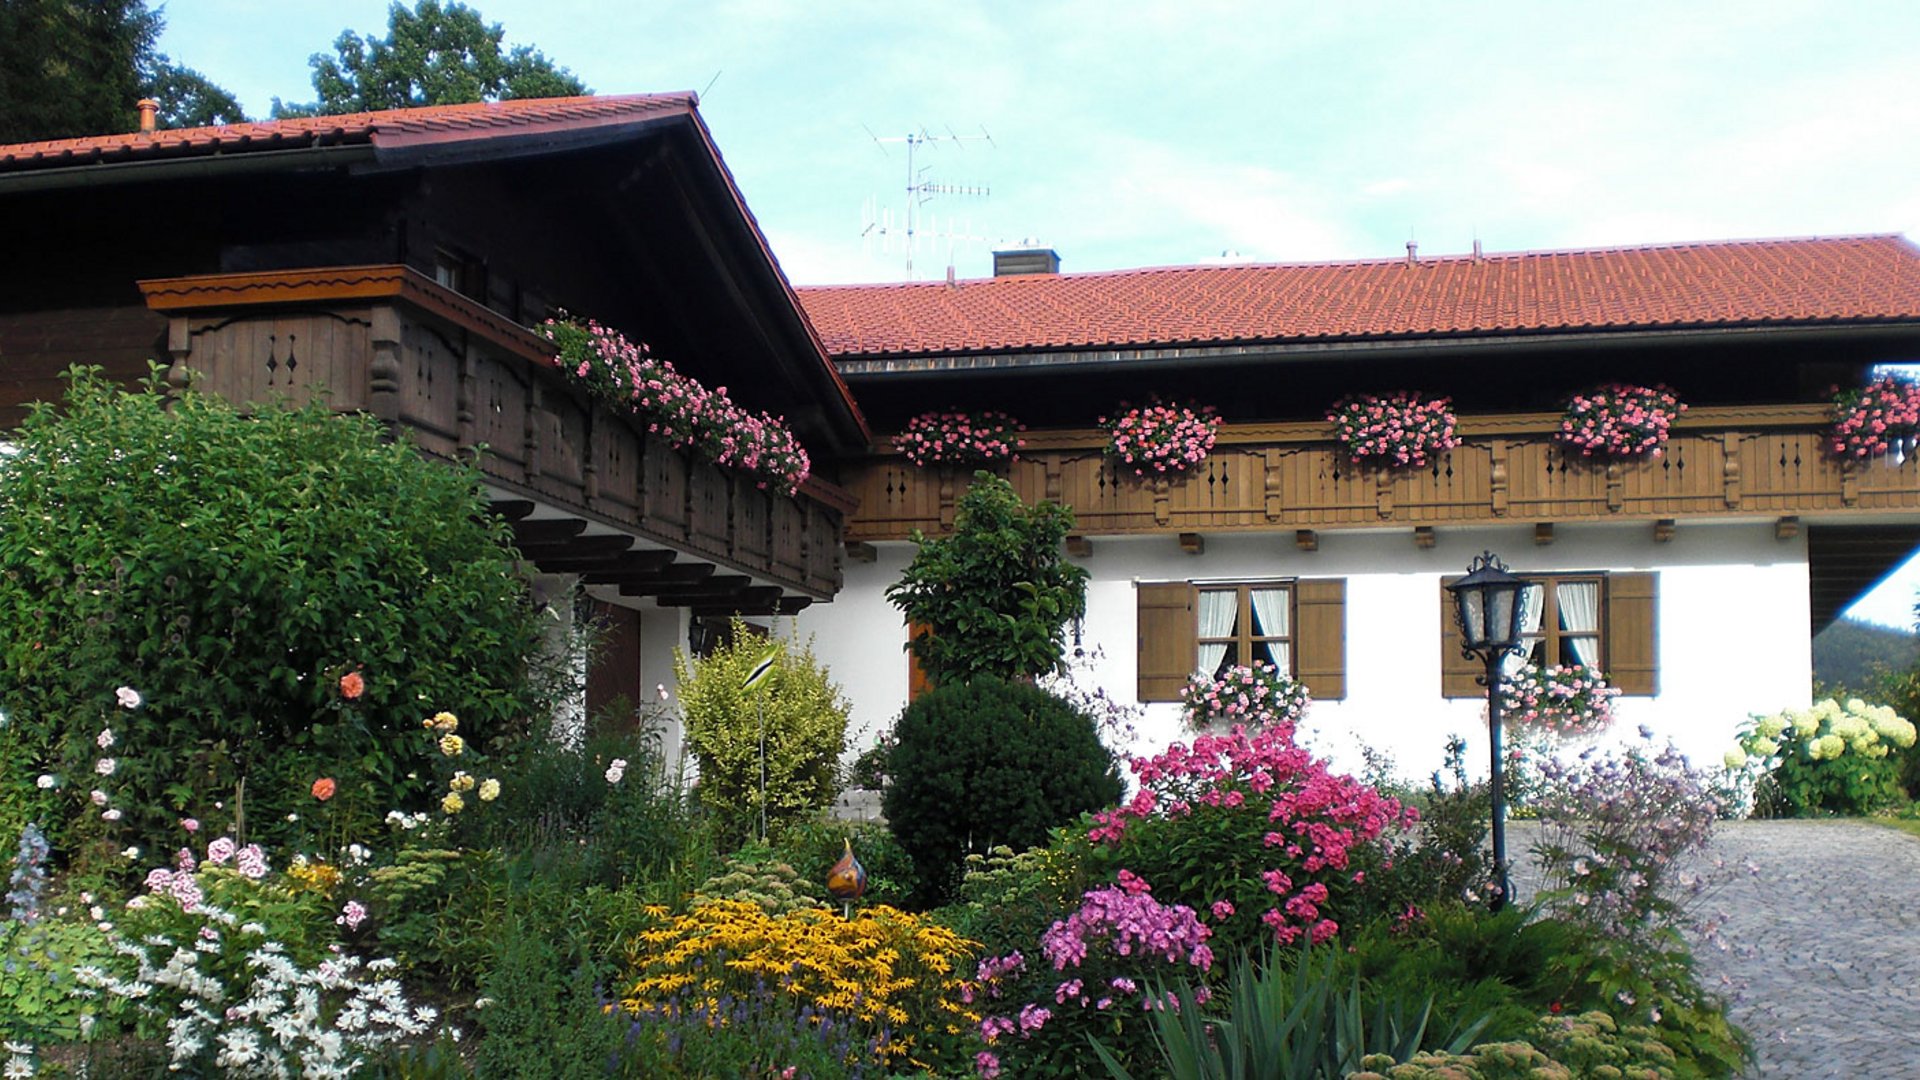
(798, 712)
(231, 569)
(756, 875)
(984, 763)
(1007, 899)
(998, 593)
(812, 845)
(1834, 758)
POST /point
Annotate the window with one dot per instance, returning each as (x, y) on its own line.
(1563, 621)
(1299, 626)
(1598, 619)
(1243, 625)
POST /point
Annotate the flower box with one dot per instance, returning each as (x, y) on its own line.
(1400, 430)
(1161, 439)
(1620, 421)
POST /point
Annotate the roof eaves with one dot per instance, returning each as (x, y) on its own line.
(856, 365)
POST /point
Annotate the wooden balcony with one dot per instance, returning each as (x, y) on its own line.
(1720, 462)
(471, 385)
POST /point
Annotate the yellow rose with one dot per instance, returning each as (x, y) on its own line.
(461, 782)
(453, 803)
(489, 789)
(444, 722)
(452, 745)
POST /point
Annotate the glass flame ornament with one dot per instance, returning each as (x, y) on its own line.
(847, 880)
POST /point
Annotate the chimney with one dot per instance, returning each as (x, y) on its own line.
(149, 115)
(1476, 249)
(1413, 252)
(1029, 258)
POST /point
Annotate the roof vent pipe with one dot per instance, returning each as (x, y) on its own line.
(149, 115)
(1476, 249)
(1413, 252)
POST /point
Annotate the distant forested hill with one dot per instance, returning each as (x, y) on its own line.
(1852, 654)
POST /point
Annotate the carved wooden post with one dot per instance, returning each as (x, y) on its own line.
(463, 403)
(589, 460)
(1850, 471)
(1383, 493)
(1162, 500)
(1730, 468)
(946, 498)
(1055, 486)
(535, 412)
(383, 384)
(1616, 487)
(1270, 483)
(179, 345)
(1498, 495)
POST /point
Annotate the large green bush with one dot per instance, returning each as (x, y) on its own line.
(231, 568)
(800, 713)
(998, 593)
(986, 763)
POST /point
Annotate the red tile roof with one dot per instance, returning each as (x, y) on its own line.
(1732, 283)
(392, 128)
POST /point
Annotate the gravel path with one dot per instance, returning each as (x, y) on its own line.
(1822, 965)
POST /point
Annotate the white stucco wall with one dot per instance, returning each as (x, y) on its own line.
(1732, 633)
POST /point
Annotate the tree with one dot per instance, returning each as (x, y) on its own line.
(996, 595)
(796, 713)
(232, 571)
(70, 69)
(432, 55)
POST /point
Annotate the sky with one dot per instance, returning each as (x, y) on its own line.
(1126, 134)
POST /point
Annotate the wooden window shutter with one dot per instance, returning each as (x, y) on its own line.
(917, 681)
(1167, 651)
(1320, 636)
(1633, 663)
(1457, 672)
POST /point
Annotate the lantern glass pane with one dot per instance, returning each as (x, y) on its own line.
(1500, 620)
(1473, 616)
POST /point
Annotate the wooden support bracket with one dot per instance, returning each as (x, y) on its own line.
(1193, 543)
(1663, 531)
(1306, 540)
(861, 551)
(1786, 528)
(1423, 536)
(1079, 547)
(1543, 533)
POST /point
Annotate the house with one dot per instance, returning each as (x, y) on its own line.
(396, 262)
(1694, 578)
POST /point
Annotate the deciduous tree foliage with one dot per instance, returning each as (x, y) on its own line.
(998, 593)
(79, 67)
(230, 568)
(432, 55)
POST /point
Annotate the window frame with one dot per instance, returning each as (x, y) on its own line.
(1551, 635)
(1241, 644)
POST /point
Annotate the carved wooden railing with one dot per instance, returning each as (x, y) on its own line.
(470, 384)
(1760, 461)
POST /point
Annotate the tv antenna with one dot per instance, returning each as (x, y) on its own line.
(920, 188)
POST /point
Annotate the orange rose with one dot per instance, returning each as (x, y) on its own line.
(352, 686)
(323, 788)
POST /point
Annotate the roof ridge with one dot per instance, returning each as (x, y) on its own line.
(1013, 280)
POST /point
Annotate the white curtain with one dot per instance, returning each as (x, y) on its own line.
(1580, 614)
(1217, 610)
(1535, 597)
(1270, 611)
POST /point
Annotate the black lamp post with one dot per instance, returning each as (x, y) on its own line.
(1490, 605)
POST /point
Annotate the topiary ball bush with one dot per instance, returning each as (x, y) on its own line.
(989, 762)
